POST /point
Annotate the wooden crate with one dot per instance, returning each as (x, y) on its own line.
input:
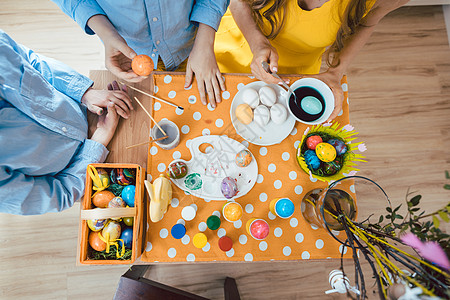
(138, 214)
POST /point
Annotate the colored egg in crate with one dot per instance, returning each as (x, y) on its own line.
(116, 202)
(311, 160)
(325, 152)
(95, 242)
(127, 237)
(229, 187)
(96, 224)
(313, 141)
(128, 194)
(129, 221)
(177, 170)
(339, 145)
(102, 198)
(243, 158)
(142, 65)
(104, 178)
(111, 231)
(331, 168)
(232, 211)
(123, 176)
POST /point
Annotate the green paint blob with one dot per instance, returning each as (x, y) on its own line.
(213, 222)
(193, 181)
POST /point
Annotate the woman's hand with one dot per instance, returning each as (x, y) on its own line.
(333, 80)
(265, 52)
(96, 100)
(202, 62)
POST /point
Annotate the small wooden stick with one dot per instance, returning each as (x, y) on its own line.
(150, 95)
(139, 102)
(149, 142)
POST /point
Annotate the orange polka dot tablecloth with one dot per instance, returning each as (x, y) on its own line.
(279, 176)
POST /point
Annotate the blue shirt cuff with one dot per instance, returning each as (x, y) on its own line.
(93, 151)
(206, 15)
(78, 85)
(84, 11)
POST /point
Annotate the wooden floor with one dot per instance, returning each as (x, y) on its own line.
(399, 102)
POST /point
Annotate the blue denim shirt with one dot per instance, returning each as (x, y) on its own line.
(156, 28)
(44, 150)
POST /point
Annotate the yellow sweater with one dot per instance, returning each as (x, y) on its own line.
(300, 43)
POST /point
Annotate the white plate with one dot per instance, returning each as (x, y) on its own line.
(215, 165)
(270, 134)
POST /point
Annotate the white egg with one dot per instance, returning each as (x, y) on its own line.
(250, 97)
(278, 113)
(261, 115)
(267, 96)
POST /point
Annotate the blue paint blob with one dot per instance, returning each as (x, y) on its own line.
(284, 208)
(178, 231)
(311, 105)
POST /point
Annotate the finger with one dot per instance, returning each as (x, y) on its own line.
(126, 50)
(189, 75)
(216, 88)
(121, 104)
(97, 110)
(273, 61)
(111, 111)
(120, 111)
(201, 90)
(221, 80)
(210, 91)
(110, 88)
(115, 85)
(124, 88)
(334, 114)
(124, 97)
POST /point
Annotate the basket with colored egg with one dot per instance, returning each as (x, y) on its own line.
(327, 151)
(112, 211)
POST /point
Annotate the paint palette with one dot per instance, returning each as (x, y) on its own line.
(213, 159)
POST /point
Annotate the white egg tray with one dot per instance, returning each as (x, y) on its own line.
(215, 163)
(269, 134)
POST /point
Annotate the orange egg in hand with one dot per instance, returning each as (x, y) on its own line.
(142, 65)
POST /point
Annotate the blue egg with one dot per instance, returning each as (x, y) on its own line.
(128, 195)
(311, 105)
(127, 237)
(284, 208)
(311, 159)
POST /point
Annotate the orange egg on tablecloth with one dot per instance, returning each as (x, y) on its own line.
(102, 198)
(95, 242)
(142, 65)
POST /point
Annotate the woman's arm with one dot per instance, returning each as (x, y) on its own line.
(351, 48)
(259, 45)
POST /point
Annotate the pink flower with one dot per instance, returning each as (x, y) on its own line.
(428, 250)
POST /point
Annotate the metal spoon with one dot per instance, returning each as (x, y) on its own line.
(266, 68)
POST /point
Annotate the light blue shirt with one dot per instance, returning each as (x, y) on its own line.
(156, 28)
(44, 150)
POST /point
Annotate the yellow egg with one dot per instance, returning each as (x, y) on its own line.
(111, 231)
(325, 152)
(244, 114)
